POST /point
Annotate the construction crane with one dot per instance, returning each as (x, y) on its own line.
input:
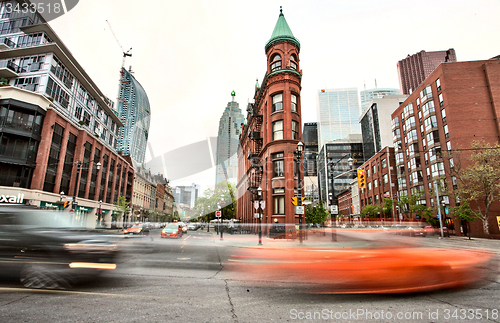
(125, 53)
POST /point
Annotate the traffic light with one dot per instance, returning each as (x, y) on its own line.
(361, 178)
(294, 200)
(66, 204)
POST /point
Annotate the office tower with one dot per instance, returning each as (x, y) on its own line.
(228, 142)
(186, 195)
(368, 95)
(338, 113)
(270, 138)
(310, 136)
(334, 172)
(414, 69)
(376, 131)
(135, 113)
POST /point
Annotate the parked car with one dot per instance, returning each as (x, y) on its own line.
(43, 250)
(411, 231)
(172, 230)
(183, 227)
(192, 227)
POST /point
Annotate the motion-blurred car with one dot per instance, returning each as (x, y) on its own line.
(43, 250)
(138, 228)
(172, 230)
(192, 227)
(183, 227)
(430, 230)
(412, 231)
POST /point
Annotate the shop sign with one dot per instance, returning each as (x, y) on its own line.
(12, 199)
(49, 205)
(83, 209)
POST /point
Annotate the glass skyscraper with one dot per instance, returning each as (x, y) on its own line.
(338, 114)
(368, 95)
(134, 112)
(228, 142)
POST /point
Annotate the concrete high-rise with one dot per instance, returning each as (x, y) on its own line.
(338, 114)
(368, 95)
(414, 69)
(135, 113)
(228, 142)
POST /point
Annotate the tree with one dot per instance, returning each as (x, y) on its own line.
(464, 213)
(386, 207)
(122, 206)
(371, 211)
(315, 214)
(477, 171)
(212, 200)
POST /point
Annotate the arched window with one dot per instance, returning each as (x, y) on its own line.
(276, 63)
(293, 62)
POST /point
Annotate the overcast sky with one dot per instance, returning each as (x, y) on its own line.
(190, 54)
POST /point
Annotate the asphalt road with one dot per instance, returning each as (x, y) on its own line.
(188, 280)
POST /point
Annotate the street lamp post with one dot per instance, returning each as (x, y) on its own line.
(221, 216)
(61, 196)
(300, 147)
(99, 213)
(259, 192)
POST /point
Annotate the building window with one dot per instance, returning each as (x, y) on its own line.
(78, 112)
(279, 205)
(295, 130)
(443, 115)
(448, 145)
(276, 63)
(374, 169)
(293, 98)
(293, 62)
(278, 130)
(384, 163)
(386, 178)
(278, 164)
(369, 186)
(438, 85)
(86, 118)
(426, 93)
(440, 97)
(368, 172)
(446, 133)
(277, 102)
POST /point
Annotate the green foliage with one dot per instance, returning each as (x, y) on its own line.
(464, 212)
(212, 200)
(122, 205)
(371, 211)
(386, 207)
(479, 182)
(316, 214)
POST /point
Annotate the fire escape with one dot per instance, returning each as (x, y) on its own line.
(256, 169)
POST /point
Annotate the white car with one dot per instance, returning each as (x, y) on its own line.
(183, 226)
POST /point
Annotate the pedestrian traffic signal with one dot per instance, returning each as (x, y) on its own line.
(361, 178)
(66, 204)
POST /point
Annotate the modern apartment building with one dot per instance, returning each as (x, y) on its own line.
(135, 114)
(368, 95)
(269, 140)
(376, 131)
(52, 109)
(228, 142)
(454, 106)
(414, 69)
(338, 112)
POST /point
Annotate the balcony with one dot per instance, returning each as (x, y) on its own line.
(8, 69)
(6, 43)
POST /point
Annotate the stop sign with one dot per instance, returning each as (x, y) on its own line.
(71, 212)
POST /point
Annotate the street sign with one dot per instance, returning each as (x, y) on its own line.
(263, 204)
(218, 214)
(256, 205)
(71, 212)
(306, 202)
(256, 215)
(294, 201)
(300, 209)
(334, 209)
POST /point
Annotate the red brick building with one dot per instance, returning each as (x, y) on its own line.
(457, 104)
(381, 179)
(270, 137)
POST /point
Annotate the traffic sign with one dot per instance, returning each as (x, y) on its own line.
(71, 212)
(300, 209)
(256, 205)
(218, 214)
(263, 204)
(334, 209)
(256, 215)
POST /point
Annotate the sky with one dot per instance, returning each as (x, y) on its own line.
(190, 54)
